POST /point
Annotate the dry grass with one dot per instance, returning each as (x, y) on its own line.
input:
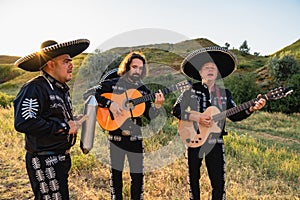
(251, 173)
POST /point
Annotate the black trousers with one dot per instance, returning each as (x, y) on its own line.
(134, 151)
(215, 163)
(48, 175)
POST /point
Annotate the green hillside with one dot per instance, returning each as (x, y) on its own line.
(293, 49)
(164, 60)
(168, 54)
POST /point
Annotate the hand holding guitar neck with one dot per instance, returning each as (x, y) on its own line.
(159, 99)
(258, 104)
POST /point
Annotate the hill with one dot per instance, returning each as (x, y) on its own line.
(166, 53)
(4, 59)
(292, 49)
(164, 60)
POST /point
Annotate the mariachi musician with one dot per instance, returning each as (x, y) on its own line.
(206, 66)
(126, 138)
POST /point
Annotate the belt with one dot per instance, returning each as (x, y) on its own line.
(215, 141)
(119, 138)
(49, 153)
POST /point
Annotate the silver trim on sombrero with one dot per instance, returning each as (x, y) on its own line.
(50, 48)
(65, 44)
(25, 58)
(207, 49)
(108, 74)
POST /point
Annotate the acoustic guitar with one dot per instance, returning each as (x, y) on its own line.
(133, 104)
(194, 135)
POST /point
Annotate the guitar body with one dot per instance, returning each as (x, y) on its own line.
(105, 118)
(188, 130)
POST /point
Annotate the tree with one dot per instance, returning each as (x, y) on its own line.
(244, 48)
(227, 45)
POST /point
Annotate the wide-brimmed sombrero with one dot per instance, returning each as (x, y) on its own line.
(49, 50)
(224, 59)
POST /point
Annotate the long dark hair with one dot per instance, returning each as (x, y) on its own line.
(125, 64)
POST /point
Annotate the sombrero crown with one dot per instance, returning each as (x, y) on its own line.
(224, 59)
(49, 50)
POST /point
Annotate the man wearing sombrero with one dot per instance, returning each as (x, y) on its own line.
(43, 111)
(207, 65)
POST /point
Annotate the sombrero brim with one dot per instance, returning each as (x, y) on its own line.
(224, 59)
(35, 61)
(110, 75)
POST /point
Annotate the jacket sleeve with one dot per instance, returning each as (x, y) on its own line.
(104, 87)
(150, 110)
(230, 104)
(30, 105)
(179, 109)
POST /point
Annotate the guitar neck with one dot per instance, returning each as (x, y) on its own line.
(234, 110)
(151, 97)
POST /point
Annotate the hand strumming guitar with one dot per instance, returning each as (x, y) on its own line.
(116, 109)
(202, 119)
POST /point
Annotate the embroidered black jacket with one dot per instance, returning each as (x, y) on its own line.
(41, 108)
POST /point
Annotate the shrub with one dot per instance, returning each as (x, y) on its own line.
(242, 86)
(283, 68)
(290, 104)
(5, 100)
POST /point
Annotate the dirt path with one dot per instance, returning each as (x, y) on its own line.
(269, 136)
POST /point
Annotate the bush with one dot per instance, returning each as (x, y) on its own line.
(285, 72)
(290, 104)
(243, 87)
(5, 100)
(8, 72)
(283, 68)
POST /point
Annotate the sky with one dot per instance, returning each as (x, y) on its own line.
(266, 25)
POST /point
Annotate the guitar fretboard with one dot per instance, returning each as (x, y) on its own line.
(234, 110)
(151, 97)
(275, 94)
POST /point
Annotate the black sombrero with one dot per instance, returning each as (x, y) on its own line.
(110, 75)
(224, 59)
(49, 50)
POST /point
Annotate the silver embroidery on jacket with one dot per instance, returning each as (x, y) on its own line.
(36, 163)
(52, 160)
(29, 108)
(39, 175)
(53, 184)
(50, 173)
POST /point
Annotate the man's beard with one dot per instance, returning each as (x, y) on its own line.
(135, 77)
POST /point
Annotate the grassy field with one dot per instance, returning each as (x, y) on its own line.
(263, 162)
